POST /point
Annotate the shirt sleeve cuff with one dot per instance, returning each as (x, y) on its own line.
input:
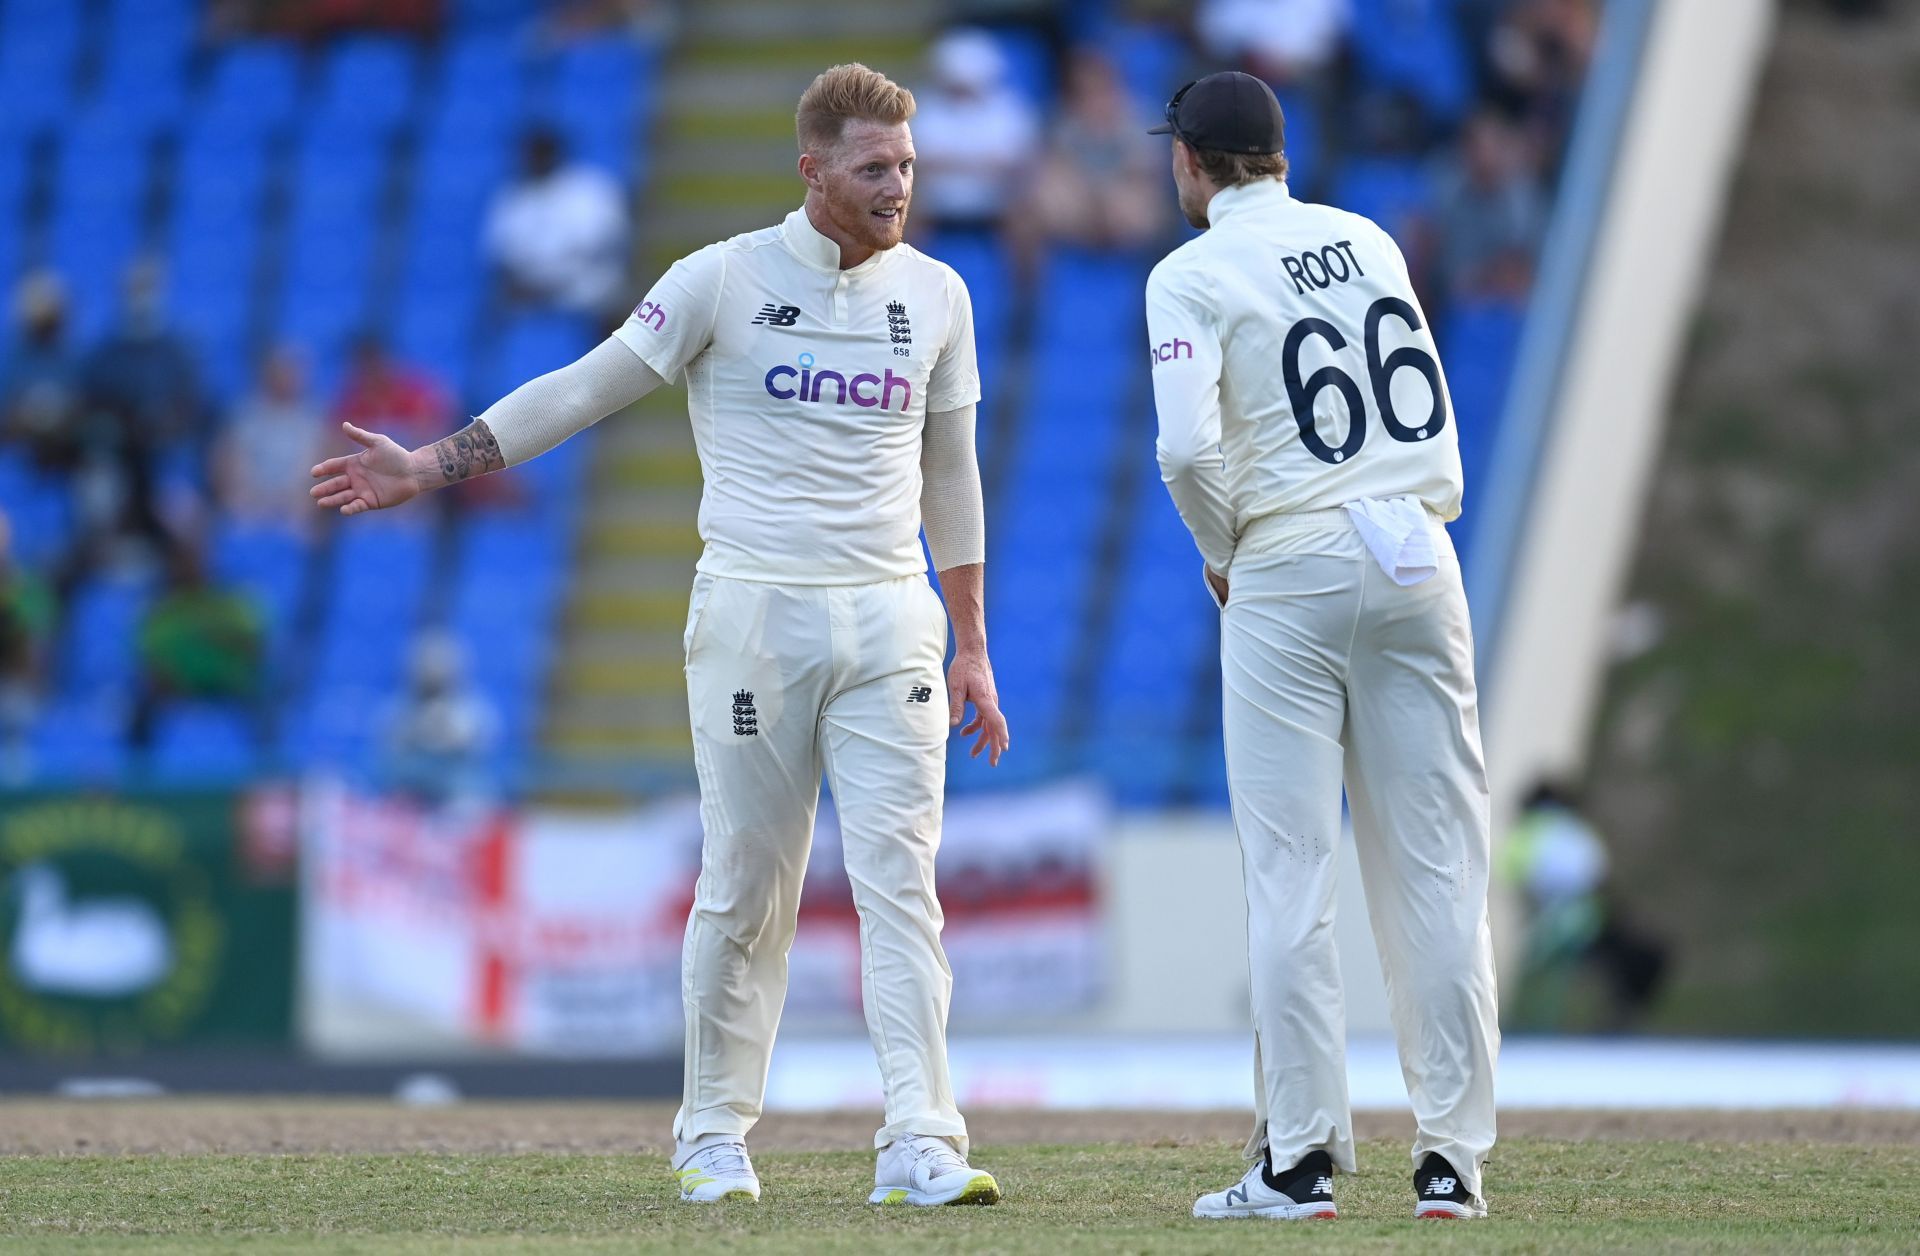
(626, 337)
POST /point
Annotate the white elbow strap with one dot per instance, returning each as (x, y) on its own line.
(951, 509)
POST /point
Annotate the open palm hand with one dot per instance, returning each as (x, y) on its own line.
(380, 476)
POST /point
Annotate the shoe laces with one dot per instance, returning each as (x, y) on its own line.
(937, 1154)
(727, 1158)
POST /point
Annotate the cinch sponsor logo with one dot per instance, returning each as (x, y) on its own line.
(652, 314)
(804, 383)
(1168, 350)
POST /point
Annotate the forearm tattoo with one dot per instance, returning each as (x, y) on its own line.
(469, 452)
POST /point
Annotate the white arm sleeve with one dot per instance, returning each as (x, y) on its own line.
(950, 505)
(542, 412)
(1187, 361)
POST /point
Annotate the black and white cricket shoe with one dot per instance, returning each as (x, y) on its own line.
(1304, 1192)
(1440, 1195)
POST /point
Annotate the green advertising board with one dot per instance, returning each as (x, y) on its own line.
(147, 921)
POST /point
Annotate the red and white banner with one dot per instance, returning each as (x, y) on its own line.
(557, 934)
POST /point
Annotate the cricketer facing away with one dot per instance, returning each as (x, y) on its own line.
(1308, 442)
(831, 382)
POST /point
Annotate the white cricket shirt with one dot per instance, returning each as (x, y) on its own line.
(808, 386)
(1293, 369)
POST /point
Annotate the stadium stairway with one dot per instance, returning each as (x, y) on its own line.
(723, 160)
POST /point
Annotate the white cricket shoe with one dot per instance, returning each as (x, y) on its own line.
(923, 1170)
(1302, 1193)
(717, 1171)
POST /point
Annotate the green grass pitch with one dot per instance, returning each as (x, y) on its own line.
(1547, 1196)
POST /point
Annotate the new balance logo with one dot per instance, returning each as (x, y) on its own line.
(1237, 1195)
(777, 316)
(920, 693)
(1323, 1186)
(746, 721)
(1442, 1186)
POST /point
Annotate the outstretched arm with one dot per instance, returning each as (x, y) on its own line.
(530, 420)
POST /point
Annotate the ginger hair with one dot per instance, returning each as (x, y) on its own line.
(843, 94)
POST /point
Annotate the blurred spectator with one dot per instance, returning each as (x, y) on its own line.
(148, 417)
(1102, 184)
(1490, 212)
(39, 377)
(1281, 41)
(558, 234)
(1536, 61)
(197, 641)
(27, 612)
(268, 447)
(392, 398)
(439, 736)
(1558, 863)
(974, 136)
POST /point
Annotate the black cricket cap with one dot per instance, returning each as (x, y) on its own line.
(1229, 111)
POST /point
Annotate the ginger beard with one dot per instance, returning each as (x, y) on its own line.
(866, 183)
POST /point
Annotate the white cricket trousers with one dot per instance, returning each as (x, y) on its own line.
(1333, 672)
(784, 682)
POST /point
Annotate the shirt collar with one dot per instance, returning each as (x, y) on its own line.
(1230, 201)
(818, 251)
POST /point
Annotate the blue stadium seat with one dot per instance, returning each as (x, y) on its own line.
(336, 727)
(1414, 45)
(338, 173)
(1393, 191)
(144, 65)
(15, 175)
(984, 266)
(1150, 61)
(101, 182)
(367, 85)
(1029, 64)
(80, 742)
(487, 65)
(478, 15)
(40, 46)
(1305, 175)
(462, 161)
(221, 177)
(603, 72)
(254, 86)
(91, 246)
(600, 139)
(333, 235)
(1479, 341)
(101, 632)
(270, 564)
(530, 345)
(433, 329)
(204, 743)
(1087, 298)
(40, 506)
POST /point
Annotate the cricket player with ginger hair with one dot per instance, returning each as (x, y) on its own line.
(831, 384)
